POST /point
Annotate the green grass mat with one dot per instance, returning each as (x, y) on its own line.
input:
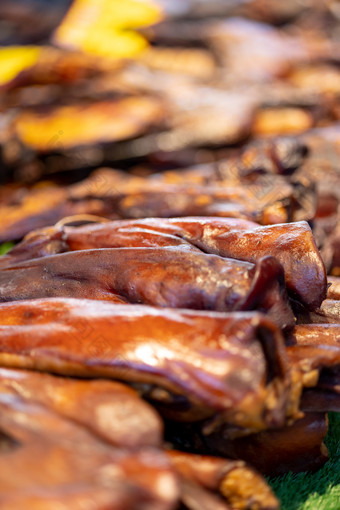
(5, 247)
(314, 491)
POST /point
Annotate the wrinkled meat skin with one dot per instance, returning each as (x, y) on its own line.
(292, 244)
(155, 276)
(192, 365)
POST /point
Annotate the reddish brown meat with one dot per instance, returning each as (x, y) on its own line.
(190, 364)
(292, 244)
(155, 276)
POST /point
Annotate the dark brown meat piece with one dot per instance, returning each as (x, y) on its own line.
(291, 244)
(190, 364)
(30, 209)
(156, 276)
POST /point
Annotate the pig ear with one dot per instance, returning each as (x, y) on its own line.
(268, 292)
(267, 269)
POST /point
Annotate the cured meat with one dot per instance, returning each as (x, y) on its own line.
(291, 244)
(191, 274)
(312, 359)
(74, 467)
(31, 209)
(83, 410)
(190, 364)
(155, 276)
(106, 408)
(43, 208)
(233, 188)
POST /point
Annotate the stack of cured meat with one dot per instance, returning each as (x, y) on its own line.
(170, 308)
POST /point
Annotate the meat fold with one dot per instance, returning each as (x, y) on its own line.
(190, 365)
(292, 244)
(167, 201)
(156, 276)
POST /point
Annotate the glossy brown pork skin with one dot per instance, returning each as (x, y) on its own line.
(48, 462)
(191, 364)
(157, 276)
(291, 243)
(116, 414)
(107, 408)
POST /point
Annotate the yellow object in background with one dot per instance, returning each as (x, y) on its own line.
(14, 59)
(105, 27)
(69, 126)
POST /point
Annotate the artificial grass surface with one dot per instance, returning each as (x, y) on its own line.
(314, 491)
(5, 247)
